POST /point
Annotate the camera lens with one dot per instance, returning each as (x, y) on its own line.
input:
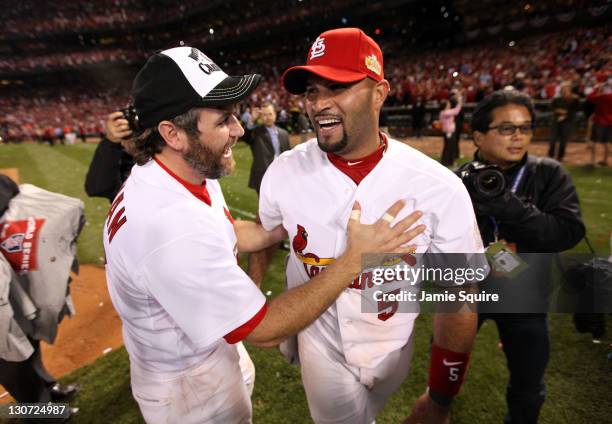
(490, 182)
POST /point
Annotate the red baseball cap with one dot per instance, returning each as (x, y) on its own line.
(342, 55)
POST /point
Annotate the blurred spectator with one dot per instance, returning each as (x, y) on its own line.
(602, 117)
(448, 113)
(267, 142)
(456, 98)
(564, 108)
(418, 117)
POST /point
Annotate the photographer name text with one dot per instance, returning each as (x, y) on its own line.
(424, 296)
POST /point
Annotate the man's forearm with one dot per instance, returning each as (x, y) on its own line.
(294, 309)
(455, 331)
(259, 263)
(252, 237)
(454, 334)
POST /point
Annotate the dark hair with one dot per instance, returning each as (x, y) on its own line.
(267, 104)
(150, 142)
(483, 113)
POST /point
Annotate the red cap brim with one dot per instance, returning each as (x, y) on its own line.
(294, 78)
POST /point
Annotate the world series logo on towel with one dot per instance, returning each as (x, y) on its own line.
(19, 242)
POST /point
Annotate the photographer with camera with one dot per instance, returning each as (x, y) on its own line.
(111, 164)
(525, 204)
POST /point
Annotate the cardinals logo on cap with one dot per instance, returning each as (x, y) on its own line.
(318, 48)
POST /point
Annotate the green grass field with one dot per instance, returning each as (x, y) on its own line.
(578, 376)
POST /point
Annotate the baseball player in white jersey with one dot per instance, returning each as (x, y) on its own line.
(351, 361)
(171, 247)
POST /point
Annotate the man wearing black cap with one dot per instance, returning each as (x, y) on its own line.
(351, 361)
(171, 247)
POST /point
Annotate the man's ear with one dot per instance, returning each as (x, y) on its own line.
(478, 138)
(171, 135)
(380, 93)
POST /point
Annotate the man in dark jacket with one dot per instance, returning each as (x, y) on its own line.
(538, 212)
(564, 109)
(418, 117)
(267, 142)
(110, 165)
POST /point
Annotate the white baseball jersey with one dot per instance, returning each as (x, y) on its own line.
(172, 271)
(312, 199)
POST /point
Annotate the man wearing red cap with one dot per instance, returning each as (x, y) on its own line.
(352, 362)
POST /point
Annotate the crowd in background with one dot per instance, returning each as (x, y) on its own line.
(49, 115)
(71, 60)
(537, 65)
(27, 19)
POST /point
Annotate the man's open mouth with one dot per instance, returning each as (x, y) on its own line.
(327, 124)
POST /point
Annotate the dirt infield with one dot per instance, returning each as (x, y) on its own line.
(12, 173)
(89, 334)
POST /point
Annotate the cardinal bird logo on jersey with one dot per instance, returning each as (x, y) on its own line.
(300, 240)
(312, 262)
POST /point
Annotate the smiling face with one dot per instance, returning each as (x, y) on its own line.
(210, 153)
(345, 115)
(504, 150)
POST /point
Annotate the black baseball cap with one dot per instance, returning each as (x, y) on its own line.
(178, 79)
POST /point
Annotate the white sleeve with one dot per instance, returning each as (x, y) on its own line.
(269, 210)
(457, 232)
(456, 229)
(197, 280)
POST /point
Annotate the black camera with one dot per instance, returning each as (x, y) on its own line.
(482, 180)
(130, 114)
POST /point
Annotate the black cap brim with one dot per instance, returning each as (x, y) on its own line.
(231, 90)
